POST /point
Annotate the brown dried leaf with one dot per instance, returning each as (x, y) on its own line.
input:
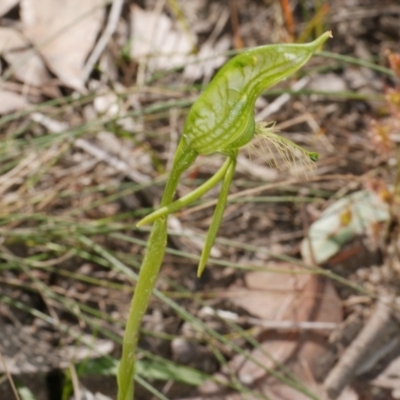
(270, 295)
(64, 32)
(288, 296)
(10, 102)
(27, 66)
(7, 5)
(155, 36)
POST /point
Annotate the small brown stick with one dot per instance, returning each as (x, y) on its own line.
(237, 39)
(111, 27)
(288, 14)
(345, 369)
(10, 378)
(270, 325)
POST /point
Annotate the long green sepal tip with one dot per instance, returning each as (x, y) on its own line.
(217, 217)
(314, 157)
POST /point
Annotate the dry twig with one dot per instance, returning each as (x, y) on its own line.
(112, 23)
(346, 368)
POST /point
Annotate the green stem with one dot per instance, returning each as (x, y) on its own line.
(218, 214)
(147, 277)
(189, 198)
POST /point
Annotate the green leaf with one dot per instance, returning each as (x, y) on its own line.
(25, 393)
(162, 370)
(170, 371)
(98, 366)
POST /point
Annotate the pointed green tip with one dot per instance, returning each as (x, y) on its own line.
(322, 39)
(141, 223)
(200, 269)
(313, 156)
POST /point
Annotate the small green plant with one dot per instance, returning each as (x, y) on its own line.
(221, 120)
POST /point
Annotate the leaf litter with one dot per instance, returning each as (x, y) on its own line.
(84, 168)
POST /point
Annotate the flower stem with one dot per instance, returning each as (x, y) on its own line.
(147, 277)
(189, 198)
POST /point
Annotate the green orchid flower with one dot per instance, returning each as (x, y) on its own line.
(221, 120)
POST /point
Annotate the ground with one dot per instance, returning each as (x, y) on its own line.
(305, 268)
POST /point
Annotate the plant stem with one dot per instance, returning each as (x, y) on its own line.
(189, 198)
(148, 276)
